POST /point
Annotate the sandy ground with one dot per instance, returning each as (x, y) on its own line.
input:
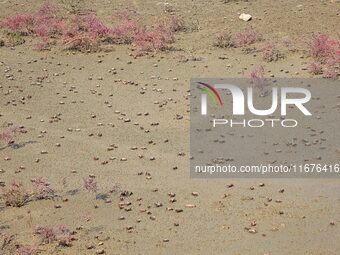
(98, 109)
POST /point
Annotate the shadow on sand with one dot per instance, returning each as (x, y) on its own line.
(17, 145)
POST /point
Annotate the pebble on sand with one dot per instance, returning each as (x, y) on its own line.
(245, 17)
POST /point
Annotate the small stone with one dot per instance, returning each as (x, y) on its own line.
(245, 17)
(252, 230)
(101, 251)
(89, 246)
(194, 193)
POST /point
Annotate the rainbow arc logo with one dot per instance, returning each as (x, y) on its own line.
(211, 91)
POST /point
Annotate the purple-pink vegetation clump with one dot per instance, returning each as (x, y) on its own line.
(316, 68)
(14, 195)
(126, 29)
(270, 52)
(27, 250)
(90, 184)
(257, 77)
(247, 37)
(159, 37)
(88, 32)
(45, 24)
(21, 23)
(8, 134)
(55, 233)
(325, 50)
(42, 189)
